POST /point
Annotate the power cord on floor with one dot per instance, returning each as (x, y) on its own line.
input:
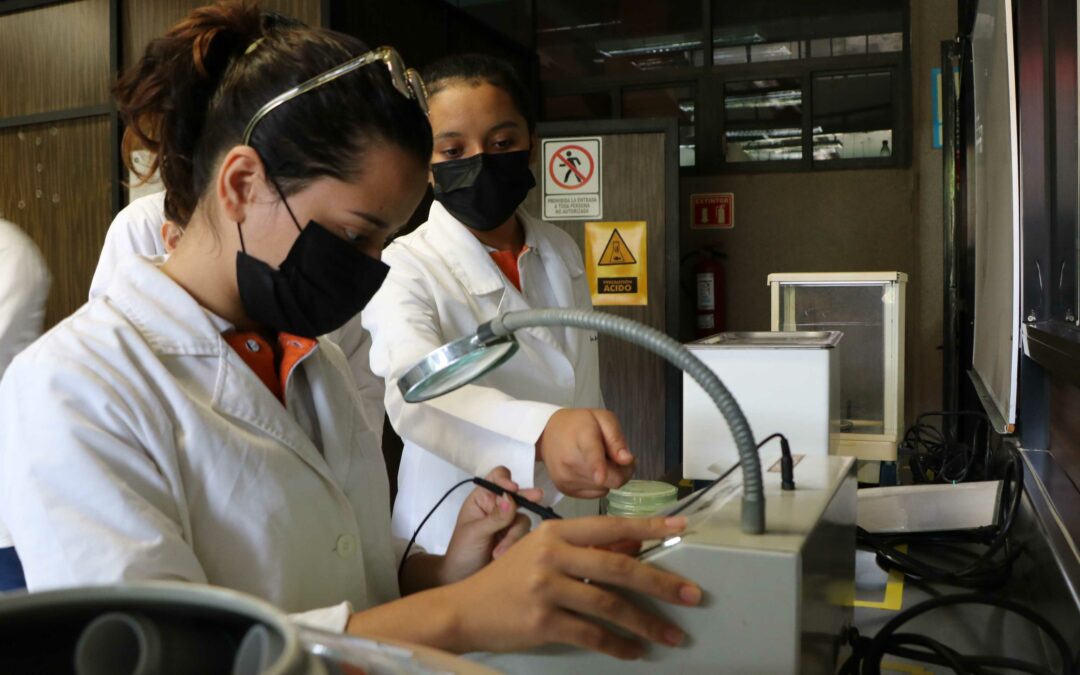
(989, 569)
(867, 653)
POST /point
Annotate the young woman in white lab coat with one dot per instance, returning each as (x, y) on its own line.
(188, 424)
(479, 255)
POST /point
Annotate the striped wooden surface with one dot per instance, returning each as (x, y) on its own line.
(56, 187)
(54, 58)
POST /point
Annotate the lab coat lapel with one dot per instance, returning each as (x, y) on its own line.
(181, 327)
(472, 265)
(240, 394)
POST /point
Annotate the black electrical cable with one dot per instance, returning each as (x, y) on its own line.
(542, 511)
(934, 458)
(416, 532)
(785, 450)
(986, 570)
(868, 652)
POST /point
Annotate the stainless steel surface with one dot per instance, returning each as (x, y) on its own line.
(773, 603)
(815, 339)
(454, 365)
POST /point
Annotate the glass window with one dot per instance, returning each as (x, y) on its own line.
(725, 56)
(617, 37)
(763, 120)
(775, 51)
(577, 107)
(677, 102)
(843, 46)
(853, 115)
(885, 42)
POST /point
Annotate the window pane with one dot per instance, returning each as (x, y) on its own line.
(617, 37)
(820, 48)
(774, 51)
(849, 45)
(577, 107)
(831, 27)
(763, 120)
(723, 56)
(885, 42)
(853, 116)
(677, 102)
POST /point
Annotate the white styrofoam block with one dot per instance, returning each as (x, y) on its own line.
(929, 508)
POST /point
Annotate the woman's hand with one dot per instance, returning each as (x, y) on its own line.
(585, 452)
(534, 593)
(487, 526)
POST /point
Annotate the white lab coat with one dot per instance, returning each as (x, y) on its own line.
(136, 230)
(136, 444)
(24, 288)
(442, 285)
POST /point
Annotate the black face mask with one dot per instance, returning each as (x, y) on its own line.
(483, 191)
(322, 284)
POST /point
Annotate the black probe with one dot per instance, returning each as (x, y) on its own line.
(544, 512)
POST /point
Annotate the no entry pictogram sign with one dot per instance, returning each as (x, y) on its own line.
(572, 178)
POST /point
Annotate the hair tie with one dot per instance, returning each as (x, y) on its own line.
(253, 45)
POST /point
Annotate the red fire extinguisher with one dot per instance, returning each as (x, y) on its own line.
(709, 291)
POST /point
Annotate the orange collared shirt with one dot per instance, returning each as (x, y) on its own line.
(259, 356)
(508, 263)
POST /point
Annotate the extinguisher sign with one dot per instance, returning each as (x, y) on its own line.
(712, 211)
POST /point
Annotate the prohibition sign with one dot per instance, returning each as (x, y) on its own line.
(562, 154)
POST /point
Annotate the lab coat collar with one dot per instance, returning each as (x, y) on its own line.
(469, 259)
(173, 323)
(164, 313)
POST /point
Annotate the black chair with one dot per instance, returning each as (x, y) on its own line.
(11, 571)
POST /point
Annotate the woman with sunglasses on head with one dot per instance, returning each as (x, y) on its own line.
(477, 256)
(188, 425)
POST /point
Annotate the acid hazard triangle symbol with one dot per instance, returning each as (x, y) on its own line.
(616, 251)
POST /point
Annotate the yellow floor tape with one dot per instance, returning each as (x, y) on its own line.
(914, 669)
(894, 591)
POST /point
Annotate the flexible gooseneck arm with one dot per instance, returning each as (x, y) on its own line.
(753, 501)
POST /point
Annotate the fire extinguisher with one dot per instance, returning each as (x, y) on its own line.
(709, 288)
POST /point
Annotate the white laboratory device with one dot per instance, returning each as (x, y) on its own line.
(869, 308)
(776, 602)
(784, 382)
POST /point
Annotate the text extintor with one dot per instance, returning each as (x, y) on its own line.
(617, 262)
(573, 174)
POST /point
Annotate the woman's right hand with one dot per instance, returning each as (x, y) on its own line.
(535, 594)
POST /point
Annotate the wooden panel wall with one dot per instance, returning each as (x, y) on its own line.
(632, 380)
(54, 58)
(56, 186)
(143, 20)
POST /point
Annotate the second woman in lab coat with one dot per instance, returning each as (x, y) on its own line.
(477, 256)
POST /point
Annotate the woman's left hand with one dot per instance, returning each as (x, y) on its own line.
(486, 527)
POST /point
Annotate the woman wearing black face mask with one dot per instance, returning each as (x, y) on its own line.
(479, 255)
(186, 425)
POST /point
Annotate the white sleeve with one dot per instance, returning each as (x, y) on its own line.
(136, 230)
(84, 500)
(476, 427)
(24, 288)
(331, 619)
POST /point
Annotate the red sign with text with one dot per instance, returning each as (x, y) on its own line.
(713, 211)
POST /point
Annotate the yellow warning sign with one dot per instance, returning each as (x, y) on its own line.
(616, 263)
(617, 252)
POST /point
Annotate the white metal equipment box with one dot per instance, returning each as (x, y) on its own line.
(784, 382)
(776, 602)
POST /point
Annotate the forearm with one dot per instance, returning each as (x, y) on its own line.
(430, 618)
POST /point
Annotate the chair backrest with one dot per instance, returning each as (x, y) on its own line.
(11, 571)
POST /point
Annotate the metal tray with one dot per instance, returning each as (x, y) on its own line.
(817, 339)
